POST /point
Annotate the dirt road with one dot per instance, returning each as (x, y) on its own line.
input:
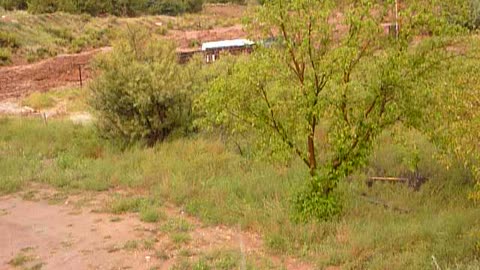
(56, 237)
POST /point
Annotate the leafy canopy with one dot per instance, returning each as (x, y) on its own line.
(141, 93)
(328, 84)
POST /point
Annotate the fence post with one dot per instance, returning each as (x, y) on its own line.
(80, 74)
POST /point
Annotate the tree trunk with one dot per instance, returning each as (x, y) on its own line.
(311, 148)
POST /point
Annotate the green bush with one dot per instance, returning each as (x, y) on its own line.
(140, 94)
(168, 7)
(9, 40)
(475, 14)
(39, 101)
(13, 4)
(193, 6)
(42, 6)
(36, 54)
(5, 56)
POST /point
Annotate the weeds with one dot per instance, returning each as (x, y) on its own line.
(20, 260)
(218, 186)
(176, 225)
(150, 214)
(5, 56)
(180, 238)
(130, 245)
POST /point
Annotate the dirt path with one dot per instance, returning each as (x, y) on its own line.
(72, 233)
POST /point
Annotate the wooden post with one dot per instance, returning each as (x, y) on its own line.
(397, 29)
(80, 75)
(44, 117)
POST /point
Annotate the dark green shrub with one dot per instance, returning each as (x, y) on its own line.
(5, 56)
(168, 7)
(60, 32)
(43, 6)
(193, 6)
(475, 14)
(13, 4)
(139, 94)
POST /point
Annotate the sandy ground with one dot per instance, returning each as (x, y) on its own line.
(73, 233)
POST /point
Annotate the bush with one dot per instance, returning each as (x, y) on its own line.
(35, 54)
(9, 40)
(168, 7)
(42, 6)
(193, 6)
(13, 4)
(475, 14)
(139, 94)
(5, 56)
(39, 101)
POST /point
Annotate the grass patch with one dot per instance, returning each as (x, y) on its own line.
(5, 56)
(20, 260)
(218, 186)
(176, 225)
(71, 100)
(149, 244)
(180, 238)
(150, 214)
(131, 245)
(121, 205)
(39, 101)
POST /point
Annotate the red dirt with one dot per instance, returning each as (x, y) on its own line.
(62, 70)
(72, 235)
(19, 81)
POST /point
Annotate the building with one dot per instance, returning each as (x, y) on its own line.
(212, 50)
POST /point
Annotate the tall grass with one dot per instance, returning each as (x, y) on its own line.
(217, 185)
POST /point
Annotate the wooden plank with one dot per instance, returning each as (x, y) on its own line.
(392, 179)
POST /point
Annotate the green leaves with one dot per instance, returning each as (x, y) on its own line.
(334, 73)
(139, 95)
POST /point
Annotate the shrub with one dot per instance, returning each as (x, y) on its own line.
(193, 6)
(9, 40)
(139, 94)
(35, 54)
(42, 6)
(5, 56)
(13, 4)
(168, 7)
(475, 14)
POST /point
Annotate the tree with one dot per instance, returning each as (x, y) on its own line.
(140, 93)
(332, 68)
(453, 120)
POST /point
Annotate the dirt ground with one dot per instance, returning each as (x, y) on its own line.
(63, 70)
(49, 230)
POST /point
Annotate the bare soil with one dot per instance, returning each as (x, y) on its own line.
(62, 70)
(73, 233)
